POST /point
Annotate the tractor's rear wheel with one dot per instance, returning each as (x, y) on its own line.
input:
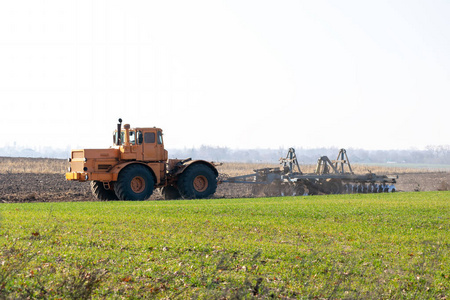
(135, 182)
(99, 191)
(197, 182)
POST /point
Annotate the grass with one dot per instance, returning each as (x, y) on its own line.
(341, 246)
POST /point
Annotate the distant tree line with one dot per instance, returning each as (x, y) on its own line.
(431, 155)
(45, 152)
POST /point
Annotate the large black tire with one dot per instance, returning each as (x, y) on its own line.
(135, 182)
(197, 182)
(99, 191)
(171, 193)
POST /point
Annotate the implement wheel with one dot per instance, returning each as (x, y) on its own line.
(299, 190)
(333, 187)
(99, 191)
(135, 182)
(197, 182)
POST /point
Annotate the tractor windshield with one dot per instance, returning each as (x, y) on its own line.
(134, 136)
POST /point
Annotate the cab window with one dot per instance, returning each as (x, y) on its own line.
(160, 141)
(115, 136)
(149, 137)
(132, 138)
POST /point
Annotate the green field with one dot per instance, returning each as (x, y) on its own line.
(343, 246)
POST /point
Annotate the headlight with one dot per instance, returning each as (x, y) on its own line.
(86, 177)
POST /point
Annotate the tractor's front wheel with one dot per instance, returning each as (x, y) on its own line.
(197, 182)
(135, 182)
(99, 191)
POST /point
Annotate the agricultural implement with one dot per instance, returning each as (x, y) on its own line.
(330, 177)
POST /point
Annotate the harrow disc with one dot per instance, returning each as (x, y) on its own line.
(380, 188)
(348, 189)
(287, 190)
(360, 189)
(299, 190)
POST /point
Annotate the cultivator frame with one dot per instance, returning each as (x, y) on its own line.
(330, 177)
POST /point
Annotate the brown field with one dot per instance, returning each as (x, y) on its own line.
(29, 180)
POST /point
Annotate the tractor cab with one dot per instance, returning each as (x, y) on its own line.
(143, 144)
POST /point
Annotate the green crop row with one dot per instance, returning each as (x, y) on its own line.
(341, 246)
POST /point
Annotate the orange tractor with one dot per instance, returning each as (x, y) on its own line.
(137, 164)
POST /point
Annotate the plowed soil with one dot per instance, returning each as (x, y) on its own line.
(32, 187)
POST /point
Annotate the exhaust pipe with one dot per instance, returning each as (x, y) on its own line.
(119, 130)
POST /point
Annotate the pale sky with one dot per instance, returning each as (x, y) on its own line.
(240, 74)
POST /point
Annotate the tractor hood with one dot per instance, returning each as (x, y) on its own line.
(86, 160)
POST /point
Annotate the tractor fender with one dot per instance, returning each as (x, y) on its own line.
(187, 164)
(154, 169)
